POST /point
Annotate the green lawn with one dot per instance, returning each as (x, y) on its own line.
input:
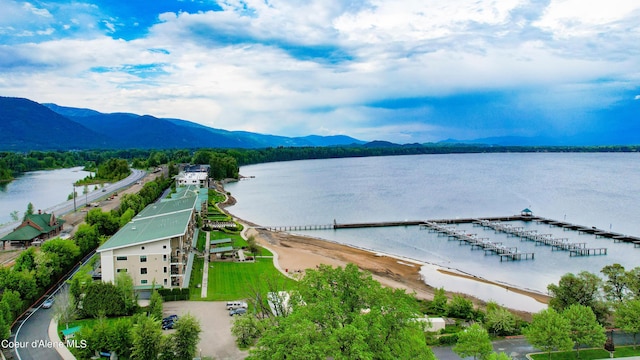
(232, 281)
(590, 354)
(202, 240)
(196, 278)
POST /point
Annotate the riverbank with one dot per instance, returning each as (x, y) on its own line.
(297, 253)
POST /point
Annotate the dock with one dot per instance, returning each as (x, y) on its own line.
(505, 253)
(500, 224)
(575, 249)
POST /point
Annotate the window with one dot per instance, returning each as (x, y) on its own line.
(121, 258)
(143, 271)
(143, 258)
(121, 270)
(142, 247)
(165, 269)
(165, 282)
(164, 246)
(164, 257)
(143, 282)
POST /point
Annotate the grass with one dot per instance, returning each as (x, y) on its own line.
(202, 239)
(589, 354)
(232, 281)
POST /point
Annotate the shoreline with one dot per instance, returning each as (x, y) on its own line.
(296, 253)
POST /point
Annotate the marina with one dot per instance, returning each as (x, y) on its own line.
(447, 227)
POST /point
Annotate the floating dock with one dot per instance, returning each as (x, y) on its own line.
(574, 249)
(505, 253)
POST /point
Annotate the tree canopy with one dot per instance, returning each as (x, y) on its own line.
(343, 313)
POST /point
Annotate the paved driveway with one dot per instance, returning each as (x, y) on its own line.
(216, 339)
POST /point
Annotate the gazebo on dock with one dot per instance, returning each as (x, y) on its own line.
(526, 212)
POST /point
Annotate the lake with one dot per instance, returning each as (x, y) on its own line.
(592, 189)
(44, 189)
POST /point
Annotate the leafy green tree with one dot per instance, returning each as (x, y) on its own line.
(615, 286)
(633, 282)
(5, 326)
(124, 283)
(26, 260)
(86, 237)
(63, 252)
(582, 289)
(103, 299)
(186, 337)
(473, 341)
(120, 339)
(498, 356)
(460, 307)
(584, 327)
(549, 331)
(500, 321)
(627, 317)
(28, 212)
(146, 337)
(126, 217)
(12, 304)
(345, 314)
(65, 308)
(439, 302)
(105, 222)
(155, 305)
(247, 330)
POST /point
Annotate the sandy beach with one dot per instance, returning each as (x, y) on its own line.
(295, 253)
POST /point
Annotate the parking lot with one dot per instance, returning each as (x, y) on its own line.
(216, 339)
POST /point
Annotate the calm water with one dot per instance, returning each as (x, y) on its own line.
(601, 190)
(43, 189)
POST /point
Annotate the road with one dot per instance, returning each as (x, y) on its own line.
(81, 200)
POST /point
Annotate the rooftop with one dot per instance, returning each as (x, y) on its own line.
(149, 229)
(175, 205)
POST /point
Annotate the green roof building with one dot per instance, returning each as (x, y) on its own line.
(154, 246)
(35, 227)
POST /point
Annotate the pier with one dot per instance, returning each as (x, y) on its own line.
(575, 249)
(499, 224)
(505, 253)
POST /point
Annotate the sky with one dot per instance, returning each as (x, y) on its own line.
(404, 71)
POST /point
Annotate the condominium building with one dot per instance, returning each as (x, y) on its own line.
(155, 246)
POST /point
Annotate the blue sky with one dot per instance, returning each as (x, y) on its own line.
(399, 70)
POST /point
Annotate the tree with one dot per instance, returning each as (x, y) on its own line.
(627, 317)
(65, 308)
(155, 305)
(582, 289)
(86, 237)
(500, 321)
(584, 327)
(473, 341)
(186, 337)
(247, 330)
(439, 303)
(105, 222)
(103, 299)
(633, 282)
(615, 286)
(460, 307)
(28, 212)
(345, 314)
(124, 283)
(146, 336)
(64, 253)
(26, 260)
(498, 356)
(549, 331)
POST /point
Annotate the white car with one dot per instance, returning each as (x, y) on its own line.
(47, 303)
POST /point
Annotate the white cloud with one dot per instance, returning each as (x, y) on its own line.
(398, 49)
(637, 97)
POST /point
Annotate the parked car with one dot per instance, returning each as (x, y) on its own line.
(238, 311)
(236, 304)
(47, 304)
(168, 325)
(170, 318)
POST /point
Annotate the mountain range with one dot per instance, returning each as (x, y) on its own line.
(33, 126)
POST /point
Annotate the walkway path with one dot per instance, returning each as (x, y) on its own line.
(205, 267)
